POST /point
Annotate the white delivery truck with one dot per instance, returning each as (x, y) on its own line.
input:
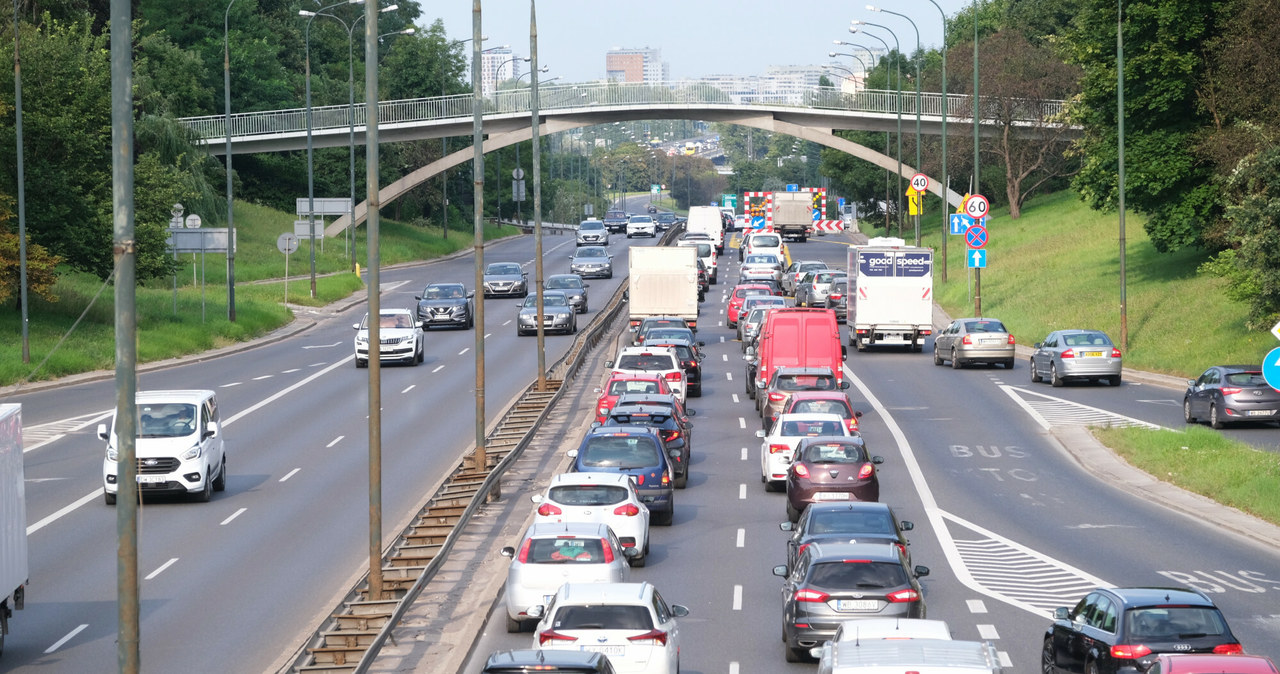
(707, 220)
(663, 282)
(13, 517)
(793, 214)
(890, 294)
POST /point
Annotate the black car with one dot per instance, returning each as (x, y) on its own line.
(860, 522)
(572, 286)
(548, 660)
(704, 280)
(666, 220)
(616, 221)
(668, 426)
(446, 304)
(690, 360)
(1121, 630)
(667, 401)
(652, 208)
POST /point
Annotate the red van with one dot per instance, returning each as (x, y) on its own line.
(796, 337)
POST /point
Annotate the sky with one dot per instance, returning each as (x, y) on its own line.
(697, 37)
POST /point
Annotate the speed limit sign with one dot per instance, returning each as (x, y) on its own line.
(920, 182)
(976, 207)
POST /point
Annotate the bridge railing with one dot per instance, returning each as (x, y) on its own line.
(732, 94)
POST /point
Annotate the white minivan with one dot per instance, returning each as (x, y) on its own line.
(707, 220)
(179, 446)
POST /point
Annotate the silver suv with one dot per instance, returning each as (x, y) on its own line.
(593, 233)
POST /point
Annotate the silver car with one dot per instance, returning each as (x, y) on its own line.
(554, 553)
(974, 340)
(505, 279)
(1076, 354)
(557, 314)
(756, 302)
(572, 286)
(593, 233)
(812, 290)
(760, 267)
(591, 262)
(796, 271)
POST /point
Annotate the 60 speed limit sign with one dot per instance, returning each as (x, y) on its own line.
(976, 207)
(920, 182)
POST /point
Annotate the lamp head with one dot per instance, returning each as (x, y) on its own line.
(853, 29)
(389, 8)
(831, 54)
(303, 12)
(872, 8)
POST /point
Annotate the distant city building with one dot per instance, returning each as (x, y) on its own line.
(794, 76)
(636, 65)
(497, 65)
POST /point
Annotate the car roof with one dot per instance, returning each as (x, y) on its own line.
(1147, 596)
(629, 430)
(551, 657)
(820, 395)
(644, 350)
(882, 551)
(557, 529)
(174, 396)
(564, 276)
(651, 398)
(614, 375)
(796, 370)
(849, 506)
(605, 593)
(629, 408)
(567, 479)
(445, 284)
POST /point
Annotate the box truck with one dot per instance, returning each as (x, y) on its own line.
(663, 282)
(13, 518)
(890, 294)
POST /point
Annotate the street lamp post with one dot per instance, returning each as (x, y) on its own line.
(898, 67)
(311, 182)
(946, 111)
(226, 131)
(915, 57)
(539, 298)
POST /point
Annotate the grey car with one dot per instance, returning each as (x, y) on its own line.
(838, 299)
(974, 340)
(812, 290)
(1229, 394)
(447, 304)
(591, 262)
(762, 266)
(572, 286)
(796, 271)
(756, 302)
(1076, 355)
(557, 314)
(593, 233)
(505, 279)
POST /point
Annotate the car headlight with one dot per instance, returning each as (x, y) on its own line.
(112, 454)
(193, 453)
(362, 341)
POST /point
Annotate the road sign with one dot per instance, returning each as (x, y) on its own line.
(960, 222)
(654, 189)
(729, 200)
(793, 187)
(976, 236)
(914, 200)
(976, 206)
(1275, 330)
(518, 174)
(287, 243)
(920, 182)
(976, 259)
(1271, 368)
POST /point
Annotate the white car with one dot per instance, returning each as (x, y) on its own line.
(707, 253)
(768, 243)
(778, 444)
(179, 447)
(603, 498)
(552, 554)
(641, 225)
(400, 337)
(660, 360)
(629, 622)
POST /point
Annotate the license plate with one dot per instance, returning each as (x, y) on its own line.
(1259, 413)
(607, 650)
(857, 604)
(152, 479)
(1092, 354)
(832, 496)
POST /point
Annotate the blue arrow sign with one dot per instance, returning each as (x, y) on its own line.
(1271, 368)
(960, 222)
(977, 259)
(793, 187)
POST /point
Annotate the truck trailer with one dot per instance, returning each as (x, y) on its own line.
(663, 282)
(13, 517)
(890, 294)
(793, 214)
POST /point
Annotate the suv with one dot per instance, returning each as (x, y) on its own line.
(528, 661)
(179, 448)
(637, 451)
(615, 221)
(641, 225)
(592, 233)
(446, 304)
(628, 621)
(550, 551)
(1130, 626)
(661, 360)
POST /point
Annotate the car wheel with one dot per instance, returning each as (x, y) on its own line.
(1186, 411)
(471, 321)
(663, 519)
(1046, 658)
(206, 494)
(955, 362)
(220, 483)
(420, 356)
(937, 356)
(791, 654)
(1054, 379)
(682, 481)
(573, 330)
(109, 498)
(1214, 421)
(361, 363)
(792, 513)
(638, 562)
(1091, 668)
(1035, 376)
(1114, 381)
(514, 626)
(1008, 363)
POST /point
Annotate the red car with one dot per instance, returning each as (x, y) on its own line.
(824, 402)
(623, 383)
(740, 292)
(1204, 663)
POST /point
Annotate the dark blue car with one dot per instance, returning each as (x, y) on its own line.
(636, 451)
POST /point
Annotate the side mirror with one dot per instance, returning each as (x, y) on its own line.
(1060, 613)
(471, 294)
(780, 571)
(355, 326)
(691, 413)
(702, 343)
(210, 430)
(679, 611)
(857, 415)
(418, 297)
(572, 454)
(877, 460)
(608, 364)
(844, 353)
(508, 551)
(786, 526)
(102, 432)
(844, 386)
(921, 571)
(1191, 383)
(536, 498)
(1037, 345)
(760, 434)
(906, 525)
(586, 285)
(600, 390)
(535, 611)
(596, 424)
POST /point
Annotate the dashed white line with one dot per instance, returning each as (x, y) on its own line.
(334, 441)
(58, 644)
(744, 453)
(737, 597)
(988, 632)
(735, 398)
(290, 370)
(265, 376)
(232, 517)
(976, 605)
(53, 517)
(317, 365)
(742, 423)
(290, 474)
(234, 383)
(725, 357)
(464, 351)
(742, 538)
(438, 368)
(733, 668)
(742, 492)
(1004, 659)
(728, 376)
(160, 570)
(410, 388)
(722, 342)
(487, 335)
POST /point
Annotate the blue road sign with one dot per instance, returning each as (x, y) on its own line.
(793, 187)
(976, 236)
(977, 259)
(1271, 368)
(960, 222)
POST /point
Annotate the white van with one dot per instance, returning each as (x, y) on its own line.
(921, 656)
(707, 220)
(179, 446)
(706, 253)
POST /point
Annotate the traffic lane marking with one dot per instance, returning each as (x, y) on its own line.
(160, 570)
(60, 642)
(232, 517)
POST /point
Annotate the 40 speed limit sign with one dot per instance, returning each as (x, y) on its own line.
(920, 182)
(976, 207)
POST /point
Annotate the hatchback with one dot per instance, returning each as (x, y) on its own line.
(661, 419)
(824, 402)
(856, 522)
(749, 326)
(812, 290)
(834, 582)
(666, 401)
(641, 225)
(1212, 664)
(766, 242)
(825, 470)
(974, 340)
(760, 266)
(657, 360)
(643, 325)
(1066, 355)
(740, 292)
(629, 622)
(796, 270)
(690, 359)
(636, 451)
(528, 661)
(552, 554)
(774, 396)
(1128, 627)
(621, 383)
(603, 498)
(778, 445)
(573, 287)
(1228, 394)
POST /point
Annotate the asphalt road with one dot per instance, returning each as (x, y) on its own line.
(1010, 523)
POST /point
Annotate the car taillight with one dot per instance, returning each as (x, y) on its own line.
(835, 296)
(1115, 353)
(608, 550)
(689, 364)
(777, 397)
(673, 376)
(1069, 353)
(551, 635)
(1230, 390)
(801, 549)
(524, 551)
(627, 510)
(774, 449)
(666, 479)
(811, 595)
(966, 340)
(903, 596)
(851, 423)
(640, 479)
(801, 470)
(668, 436)
(1011, 340)
(866, 471)
(1228, 649)
(1128, 652)
(901, 548)
(548, 509)
(650, 638)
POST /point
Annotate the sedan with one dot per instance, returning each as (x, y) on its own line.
(557, 314)
(592, 233)
(760, 267)
(812, 290)
(603, 498)
(854, 522)
(778, 445)
(831, 469)
(1076, 354)
(572, 286)
(1228, 394)
(400, 338)
(974, 340)
(591, 262)
(505, 279)
(446, 304)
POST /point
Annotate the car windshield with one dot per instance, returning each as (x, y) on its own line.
(666, 217)
(683, 352)
(1086, 339)
(395, 321)
(588, 494)
(984, 326)
(763, 301)
(812, 266)
(445, 292)
(548, 300)
(748, 292)
(846, 522)
(834, 452)
(656, 361)
(503, 269)
(766, 241)
(622, 386)
(854, 574)
(590, 224)
(625, 452)
(166, 420)
(1174, 623)
(564, 282)
(795, 429)
(806, 382)
(565, 551)
(761, 259)
(822, 407)
(616, 215)
(602, 616)
(592, 252)
(641, 219)
(656, 334)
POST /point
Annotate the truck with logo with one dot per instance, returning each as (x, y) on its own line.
(13, 517)
(793, 214)
(663, 281)
(890, 294)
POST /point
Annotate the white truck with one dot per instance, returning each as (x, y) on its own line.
(890, 294)
(663, 282)
(707, 220)
(13, 517)
(793, 214)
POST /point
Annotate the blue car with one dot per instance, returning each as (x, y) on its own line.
(636, 451)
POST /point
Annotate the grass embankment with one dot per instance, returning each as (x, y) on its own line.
(199, 321)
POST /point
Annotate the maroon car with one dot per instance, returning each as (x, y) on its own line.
(831, 469)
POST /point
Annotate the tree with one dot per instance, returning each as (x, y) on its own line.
(41, 266)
